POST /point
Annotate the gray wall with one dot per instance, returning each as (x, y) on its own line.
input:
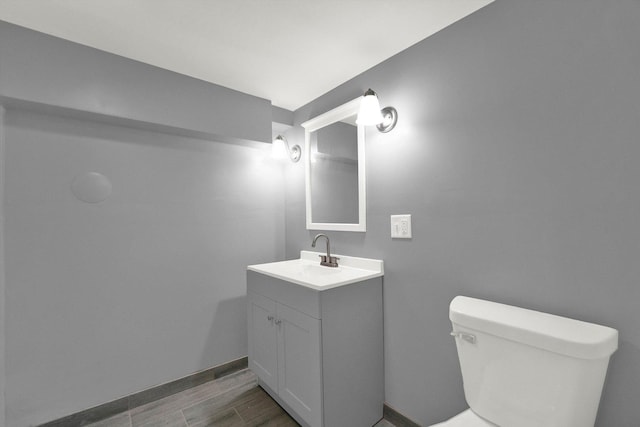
(106, 299)
(516, 153)
(2, 276)
(38, 68)
(148, 286)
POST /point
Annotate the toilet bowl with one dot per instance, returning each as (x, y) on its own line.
(524, 368)
(465, 419)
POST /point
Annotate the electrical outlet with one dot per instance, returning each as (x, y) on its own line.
(401, 226)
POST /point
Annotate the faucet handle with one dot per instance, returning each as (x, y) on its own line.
(328, 261)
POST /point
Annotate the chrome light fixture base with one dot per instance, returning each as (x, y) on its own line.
(390, 118)
(295, 153)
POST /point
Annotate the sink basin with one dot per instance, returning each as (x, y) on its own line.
(311, 270)
(307, 271)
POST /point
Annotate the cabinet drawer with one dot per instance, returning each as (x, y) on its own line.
(299, 297)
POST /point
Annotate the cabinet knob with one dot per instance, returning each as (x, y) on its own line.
(278, 322)
(270, 318)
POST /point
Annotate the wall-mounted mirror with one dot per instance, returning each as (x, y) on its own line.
(335, 170)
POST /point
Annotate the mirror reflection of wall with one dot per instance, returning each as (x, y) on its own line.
(335, 178)
(334, 173)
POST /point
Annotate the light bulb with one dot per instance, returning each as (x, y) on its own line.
(369, 113)
(278, 150)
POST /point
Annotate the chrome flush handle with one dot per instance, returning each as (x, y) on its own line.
(470, 338)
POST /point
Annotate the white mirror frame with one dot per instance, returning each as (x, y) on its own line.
(339, 113)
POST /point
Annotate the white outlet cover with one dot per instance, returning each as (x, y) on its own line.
(401, 226)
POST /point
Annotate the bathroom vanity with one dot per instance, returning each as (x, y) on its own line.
(316, 338)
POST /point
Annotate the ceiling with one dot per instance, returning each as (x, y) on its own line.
(287, 51)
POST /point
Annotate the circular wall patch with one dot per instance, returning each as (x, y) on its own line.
(91, 187)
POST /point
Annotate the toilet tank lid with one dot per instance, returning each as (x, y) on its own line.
(561, 335)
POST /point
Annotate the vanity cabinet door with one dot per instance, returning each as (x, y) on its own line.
(319, 354)
(263, 350)
(299, 364)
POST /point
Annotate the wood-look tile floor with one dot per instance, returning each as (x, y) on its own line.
(235, 400)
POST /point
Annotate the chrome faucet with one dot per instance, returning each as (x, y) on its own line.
(326, 260)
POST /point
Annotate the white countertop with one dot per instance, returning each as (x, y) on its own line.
(307, 271)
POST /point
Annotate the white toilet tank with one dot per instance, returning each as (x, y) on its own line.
(524, 368)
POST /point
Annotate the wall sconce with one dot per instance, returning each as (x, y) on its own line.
(370, 113)
(280, 149)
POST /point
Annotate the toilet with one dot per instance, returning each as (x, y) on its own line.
(524, 368)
